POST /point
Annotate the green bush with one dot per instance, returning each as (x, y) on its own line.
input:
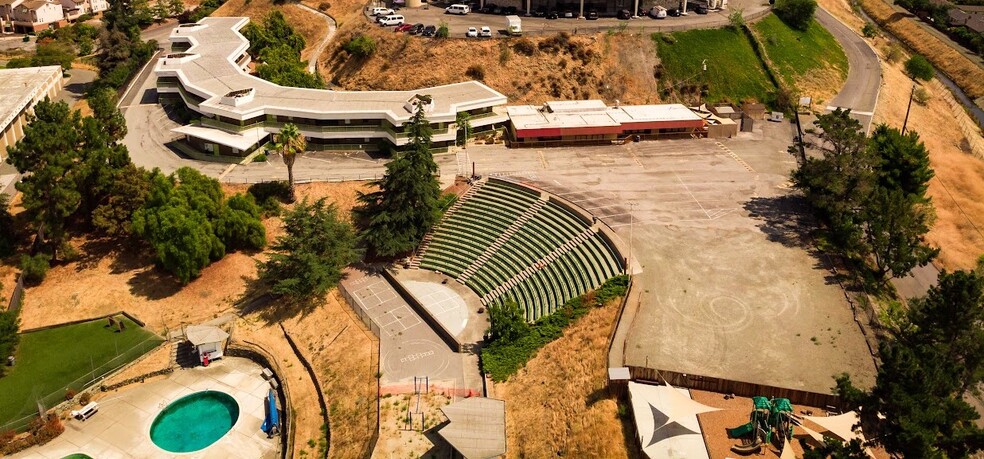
(260, 158)
(34, 268)
(524, 46)
(443, 31)
(918, 67)
(361, 46)
(279, 190)
(869, 30)
(798, 14)
(513, 345)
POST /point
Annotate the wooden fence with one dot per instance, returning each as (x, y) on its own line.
(727, 386)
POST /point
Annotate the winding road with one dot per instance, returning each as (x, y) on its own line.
(860, 91)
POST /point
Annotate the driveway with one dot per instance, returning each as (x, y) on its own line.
(860, 91)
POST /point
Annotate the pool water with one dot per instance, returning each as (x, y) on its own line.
(194, 421)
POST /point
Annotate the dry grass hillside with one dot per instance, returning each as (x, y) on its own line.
(968, 75)
(527, 70)
(558, 404)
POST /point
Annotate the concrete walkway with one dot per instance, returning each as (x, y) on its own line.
(121, 428)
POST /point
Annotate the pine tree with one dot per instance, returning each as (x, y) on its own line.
(395, 218)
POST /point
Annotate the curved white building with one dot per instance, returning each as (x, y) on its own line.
(207, 71)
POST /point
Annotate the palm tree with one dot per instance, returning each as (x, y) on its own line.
(290, 142)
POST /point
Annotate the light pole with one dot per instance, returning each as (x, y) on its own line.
(911, 94)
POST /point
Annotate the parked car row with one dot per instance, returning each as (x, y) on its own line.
(484, 32)
(417, 29)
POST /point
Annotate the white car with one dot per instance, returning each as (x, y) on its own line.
(472, 32)
(391, 20)
(382, 14)
(486, 32)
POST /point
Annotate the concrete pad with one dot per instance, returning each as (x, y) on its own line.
(444, 304)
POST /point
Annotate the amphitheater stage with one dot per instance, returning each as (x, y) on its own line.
(454, 305)
(730, 286)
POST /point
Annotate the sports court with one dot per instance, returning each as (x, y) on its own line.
(408, 346)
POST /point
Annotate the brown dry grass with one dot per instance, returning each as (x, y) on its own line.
(842, 10)
(158, 359)
(308, 24)
(958, 189)
(968, 75)
(558, 405)
(341, 10)
(345, 355)
(591, 67)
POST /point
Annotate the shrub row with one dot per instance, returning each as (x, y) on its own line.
(502, 357)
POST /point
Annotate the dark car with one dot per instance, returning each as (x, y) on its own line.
(487, 9)
(415, 29)
(551, 15)
(624, 14)
(592, 15)
(497, 10)
(697, 8)
(540, 12)
(673, 12)
(429, 31)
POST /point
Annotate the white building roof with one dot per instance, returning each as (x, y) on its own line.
(476, 427)
(593, 113)
(19, 88)
(204, 334)
(209, 70)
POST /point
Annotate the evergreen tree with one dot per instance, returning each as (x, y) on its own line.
(894, 224)
(904, 161)
(395, 218)
(47, 155)
(309, 257)
(7, 234)
(928, 365)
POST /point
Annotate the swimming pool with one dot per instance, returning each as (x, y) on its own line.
(194, 421)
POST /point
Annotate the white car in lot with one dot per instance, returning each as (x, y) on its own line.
(379, 12)
(391, 20)
(472, 32)
(486, 32)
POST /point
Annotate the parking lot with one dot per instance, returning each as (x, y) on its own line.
(459, 24)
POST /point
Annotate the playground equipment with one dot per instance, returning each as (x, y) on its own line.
(768, 417)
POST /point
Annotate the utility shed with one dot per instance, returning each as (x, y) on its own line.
(209, 341)
(477, 427)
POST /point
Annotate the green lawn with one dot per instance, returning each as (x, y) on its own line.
(734, 72)
(795, 53)
(49, 360)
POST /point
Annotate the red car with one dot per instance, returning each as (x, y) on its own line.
(403, 28)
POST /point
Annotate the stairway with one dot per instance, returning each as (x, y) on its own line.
(501, 240)
(538, 265)
(183, 355)
(425, 242)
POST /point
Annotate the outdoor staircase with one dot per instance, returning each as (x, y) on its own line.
(502, 239)
(538, 265)
(425, 242)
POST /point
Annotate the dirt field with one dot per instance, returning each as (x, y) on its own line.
(608, 67)
(396, 440)
(558, 404)
(967, 75)
(107, 279)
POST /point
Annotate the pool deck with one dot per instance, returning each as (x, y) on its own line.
(121, 428)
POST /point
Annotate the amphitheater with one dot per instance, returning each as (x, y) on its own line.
(508, 241)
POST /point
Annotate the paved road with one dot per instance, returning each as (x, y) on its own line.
(860, 92)
(320, 48)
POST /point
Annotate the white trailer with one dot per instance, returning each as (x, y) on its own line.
(514, 25)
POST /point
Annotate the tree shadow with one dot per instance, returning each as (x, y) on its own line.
(787, 220)
(784, 219)
(271, 308)
(441, 447)
(123, 258)
(154, 284)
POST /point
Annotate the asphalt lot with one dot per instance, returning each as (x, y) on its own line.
(433, 15)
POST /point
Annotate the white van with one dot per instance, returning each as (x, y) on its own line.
(393, 19)
(457, 9)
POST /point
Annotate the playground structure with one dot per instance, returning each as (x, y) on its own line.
(768, 417)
